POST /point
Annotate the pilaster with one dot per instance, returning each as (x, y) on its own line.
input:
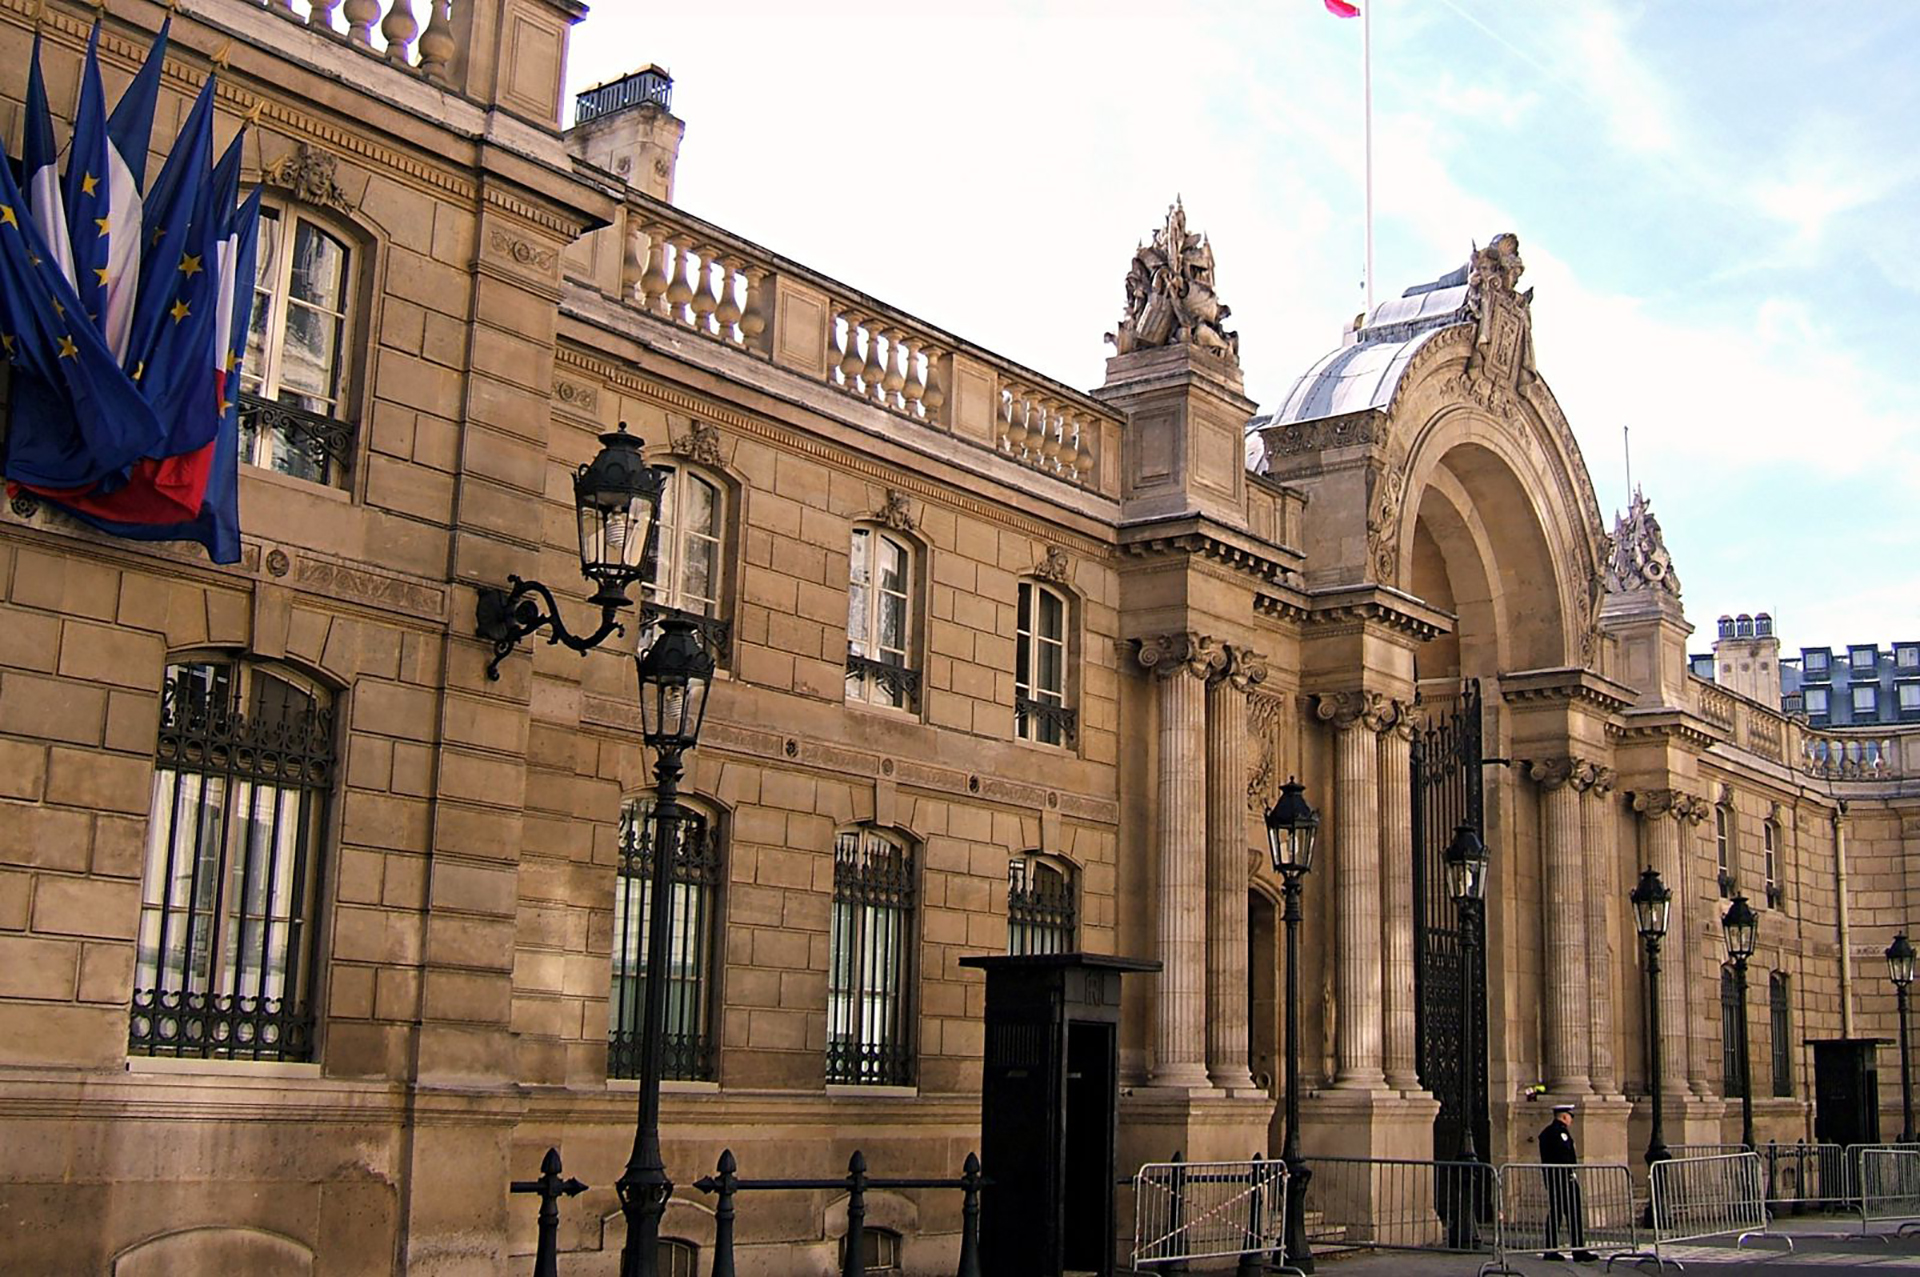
(1227, 768)
(1394, 747)
(1564, 927)
(1595, 785)
(1356, 719)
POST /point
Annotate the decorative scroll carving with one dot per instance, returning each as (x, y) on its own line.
(1638, 558)
(1263, 722)
(1056, 567)
(1329, 432)
(1551, 773)
(896, 511)
(1372, 710)
(308, 173)
(1244, 667)
(1383, 524)
(701, 444)
(1672, 802)
(582, 399)
(525, 252)
(1182, 651)
(1170, 295)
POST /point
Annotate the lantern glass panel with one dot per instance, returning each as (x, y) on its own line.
(1741, 929)
(1652, 902)
(1292, 829)
(1900, 960)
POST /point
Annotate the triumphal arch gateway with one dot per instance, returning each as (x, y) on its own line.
(1005, 665)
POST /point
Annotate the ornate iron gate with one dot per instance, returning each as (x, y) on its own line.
(1446, 793)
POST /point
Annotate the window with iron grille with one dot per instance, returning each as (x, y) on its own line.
(243, 771)
(678, 1258)
(880, 1250)
(1779, 1005)
(1040, 710)
(695, 879)
(1729, 1032)
(870, 960)
(880, 620)
(1040, 905)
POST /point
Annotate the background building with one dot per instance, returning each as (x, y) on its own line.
(1862, 685)
(314, 935)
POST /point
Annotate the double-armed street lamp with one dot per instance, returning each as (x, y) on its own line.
(1466, 866)
(1900, 971)
(616, 500)
(1292, 826)
(1740, 928)
(1652, 901)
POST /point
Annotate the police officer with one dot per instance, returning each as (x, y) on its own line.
(1557, 1151)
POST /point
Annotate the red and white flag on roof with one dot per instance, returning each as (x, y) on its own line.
(1341, 9)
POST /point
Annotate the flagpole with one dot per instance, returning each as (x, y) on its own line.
(1366, 92)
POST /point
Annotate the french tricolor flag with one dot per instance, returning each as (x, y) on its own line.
(1341, 9)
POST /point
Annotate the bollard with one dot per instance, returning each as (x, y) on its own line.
(969, 1218)
(550, 1188)
(726, 1184)
(854, 1262)
(1251, 1259)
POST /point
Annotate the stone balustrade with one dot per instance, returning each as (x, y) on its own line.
(1860, 755)
(709, 283)
(1717, 706)
(388, 29)
(1844, 754)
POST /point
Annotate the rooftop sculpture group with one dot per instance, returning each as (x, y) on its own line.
(1170, 295)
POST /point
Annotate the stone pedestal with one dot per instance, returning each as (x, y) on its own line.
(1156, 1122)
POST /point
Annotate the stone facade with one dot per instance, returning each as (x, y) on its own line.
(1221, 627)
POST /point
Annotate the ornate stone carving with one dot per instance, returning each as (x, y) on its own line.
(1245, 668)
(1638, 558)
(896, 511)
(701, 444)
(1183, 651)
(1551, 773)
(1170, 295)
(1330, 432)
(1056, 567)
(1383, 524)
(308, 173)
(525, 252)
(581, 398)
(1372, 710)
(1672, 802)
(1503, 341)
(1263, 721)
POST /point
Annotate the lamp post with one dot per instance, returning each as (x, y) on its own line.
(1466, 865)
(616, 500)
(1651, 903)
(1292, 826)
(1740, 929)
(675, 675)
(1900, 971)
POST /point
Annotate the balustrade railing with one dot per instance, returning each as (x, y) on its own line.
(705, 281)
(1716, 706)
(1853, 757)
(388, 29)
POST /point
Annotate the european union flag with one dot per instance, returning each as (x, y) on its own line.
(89, 194)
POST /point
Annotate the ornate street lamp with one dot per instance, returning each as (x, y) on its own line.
(1740, 928)
(1900, 971)
(616, 500)
(1466, 866)
(676, 673)
(1292, 826)
(1652, 902)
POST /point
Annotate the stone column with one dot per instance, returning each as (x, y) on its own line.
(1356, 718)
(1181, 663)
(1395, 761)
(1661, 812)
(1564, 928)
(1595, 784)
(1227, 765)
(1703, 1061)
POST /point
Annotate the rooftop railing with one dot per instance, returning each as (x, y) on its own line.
(388, 29)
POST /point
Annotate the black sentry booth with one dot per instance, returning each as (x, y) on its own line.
(1049, 1111)
(1846, 1090)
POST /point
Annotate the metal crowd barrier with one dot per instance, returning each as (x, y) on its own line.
(1802, 1177)
(1588, 1207)
(1889, 1184)
(1208, 1210)
(1705, 1150)
(1855, 1153)
(1400, 1204)
(1699, 1197)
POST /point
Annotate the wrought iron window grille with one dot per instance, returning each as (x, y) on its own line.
(325, 443)
(221, 966)
(903, 683)
(1729, 1033)
(1779, 1006)
(870, 1010)
(1041, 914)
(695, 875)
(1046, 723)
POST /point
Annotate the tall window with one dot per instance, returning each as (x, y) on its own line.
(1723, 846)
(1040, 710)
(879, 621)
(242, 775)
(1770, 854)
(1779, 1007)
(1040, 905)
(294, 371)
(870, 961)
(695, 875)
(687, 564)
(1729, 1033)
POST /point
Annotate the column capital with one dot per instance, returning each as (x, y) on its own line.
(1243, 667)
(1183, 651)
(1677, 803)
(1552, 773)
(1375, 711)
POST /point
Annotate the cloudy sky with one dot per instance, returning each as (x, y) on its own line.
(1718, 203)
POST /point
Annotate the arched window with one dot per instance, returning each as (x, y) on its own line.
(688, 562)
(869, 1003)
(678, 1258)
(1040, 904)
(880, 620)
(243, 773)
(1723, 845)
(881, 1247)
(1040, 709)
(294, 377)
(1779, 1006)
(695, 875)
(1729, 1032)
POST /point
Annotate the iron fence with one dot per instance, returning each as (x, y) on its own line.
(1208, 1210)
(1400, 1204)
(1585, 1209)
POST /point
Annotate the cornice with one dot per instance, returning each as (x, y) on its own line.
(1379, 606)
(1567, 685)
(1197, 535)
(1663, 724)
(1291, 606)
